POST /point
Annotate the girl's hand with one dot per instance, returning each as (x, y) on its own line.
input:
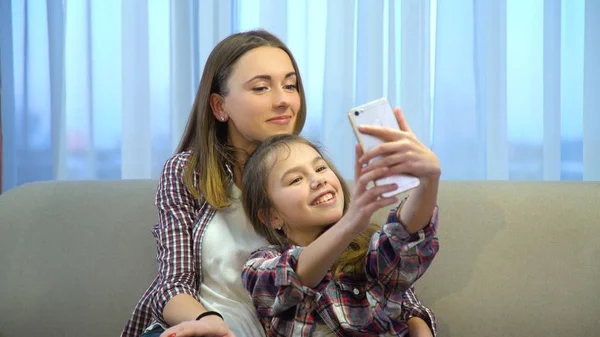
(209, 326)
(366, 201)
(403, 152)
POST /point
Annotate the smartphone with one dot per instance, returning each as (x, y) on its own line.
(379, 113)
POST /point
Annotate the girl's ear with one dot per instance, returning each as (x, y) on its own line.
(274, 219)
(217, 107)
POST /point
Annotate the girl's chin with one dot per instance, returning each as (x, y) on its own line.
(332, 221)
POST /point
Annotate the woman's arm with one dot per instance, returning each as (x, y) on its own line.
(177, 299)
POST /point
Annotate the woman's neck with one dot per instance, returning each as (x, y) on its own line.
(241, 156)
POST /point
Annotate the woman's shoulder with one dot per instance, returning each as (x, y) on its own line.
(175, 165)
(172, 178)
(178, 159)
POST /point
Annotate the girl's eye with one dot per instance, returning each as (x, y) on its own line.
(295, 181)
(321, 168)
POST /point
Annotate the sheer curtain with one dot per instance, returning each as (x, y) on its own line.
(502, 89)
(516, 89)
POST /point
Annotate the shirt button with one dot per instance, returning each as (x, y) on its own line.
(356, 291)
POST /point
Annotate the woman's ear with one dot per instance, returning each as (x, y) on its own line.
(275, 220)
(218, 108)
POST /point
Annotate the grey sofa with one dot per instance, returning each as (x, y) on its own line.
(516, 259)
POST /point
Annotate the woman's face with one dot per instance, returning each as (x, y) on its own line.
(262, 98)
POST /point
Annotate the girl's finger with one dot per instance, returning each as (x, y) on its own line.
(383, 133)
(380, 203)
(387, 161)
(376, 174)
(410, 167)
(373, 194)
(357, 165)
(386, 149)
(365, 179)
(402, 123)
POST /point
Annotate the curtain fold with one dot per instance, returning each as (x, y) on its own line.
(135, 150)
(7, 99)
(414, 59)
(591, 92)
(500, 90)
(458, 130)
(338, 84)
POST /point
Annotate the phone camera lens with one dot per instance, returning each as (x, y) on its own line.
(356, 113)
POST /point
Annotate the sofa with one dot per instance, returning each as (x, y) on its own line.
(516, 258)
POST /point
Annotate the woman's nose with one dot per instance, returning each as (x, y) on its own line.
(281, 99)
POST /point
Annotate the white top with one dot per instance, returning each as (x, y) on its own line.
(228, 241)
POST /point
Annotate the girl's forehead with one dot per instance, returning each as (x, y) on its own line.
(289, 155)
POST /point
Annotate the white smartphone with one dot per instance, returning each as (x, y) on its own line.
(379, 113)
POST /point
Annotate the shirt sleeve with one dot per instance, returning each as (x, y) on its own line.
(270, 278)
(412, 307)
(396, 258)
(177, 213)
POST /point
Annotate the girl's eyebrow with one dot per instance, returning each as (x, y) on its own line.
(299, 168)
(268, 77)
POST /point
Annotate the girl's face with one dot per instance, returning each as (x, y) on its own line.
(306, 194)
(262, 98)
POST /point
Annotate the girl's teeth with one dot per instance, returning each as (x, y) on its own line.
(325, 198)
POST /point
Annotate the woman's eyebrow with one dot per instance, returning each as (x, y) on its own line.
(268, 77)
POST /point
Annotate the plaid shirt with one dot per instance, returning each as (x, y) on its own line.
(377, 306)
(182, 221)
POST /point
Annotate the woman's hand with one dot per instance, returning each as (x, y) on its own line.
(208, 326)
(402, 152)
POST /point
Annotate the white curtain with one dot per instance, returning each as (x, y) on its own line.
(502, 89)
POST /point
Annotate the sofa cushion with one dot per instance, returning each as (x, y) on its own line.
(74, 256)
(515, 259)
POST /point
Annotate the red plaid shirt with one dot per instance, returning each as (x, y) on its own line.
(377, 306)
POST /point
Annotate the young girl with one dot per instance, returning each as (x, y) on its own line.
(328, 272)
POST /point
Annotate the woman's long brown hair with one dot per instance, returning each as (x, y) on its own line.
(204, 135)
(255, 199)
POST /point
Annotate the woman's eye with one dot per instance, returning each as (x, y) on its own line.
(290, 87)
(259, 89)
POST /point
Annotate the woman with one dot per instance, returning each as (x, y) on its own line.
(250, 89)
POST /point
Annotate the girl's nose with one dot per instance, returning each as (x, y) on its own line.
(318, 182)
